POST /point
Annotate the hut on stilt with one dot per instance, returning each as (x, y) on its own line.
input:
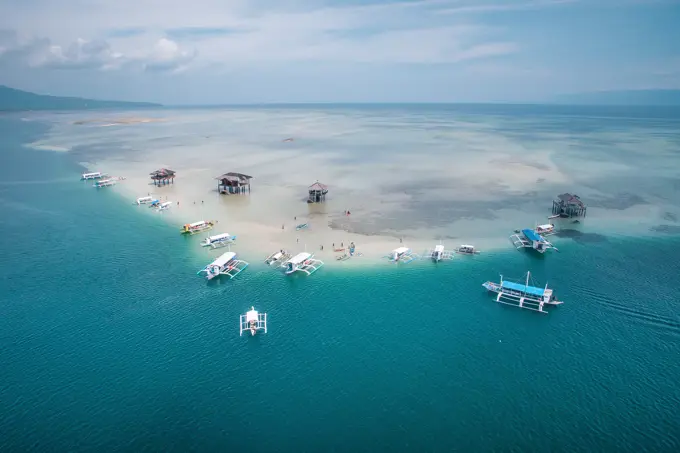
(162, 177)
(568, 205)
(317, 192)
(233, 183)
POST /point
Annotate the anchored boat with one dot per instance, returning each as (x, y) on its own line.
(438, 253)
(301, 226)
(197, 227)
(219, 240)
(226, 264)
(105, 182)
(522, 295)
(164, 206)
(303, 262)
(467, 250)
(93, 175)
(144, 200)
(403, 255)
(277, 258)
(253, 321)
(529, 238)
(546, 229)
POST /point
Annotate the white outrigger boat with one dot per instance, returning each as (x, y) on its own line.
(105, 182)
(522, 295)
(546, 229)
(144, 200)
(529, 238)
(252, 321)
(438, 253)
(226, 264)
(277, 258)
(164, 206)
(467, 250)
(303, 262)
(93, 175)
(219, 240)
(197, 227)
(403, 255)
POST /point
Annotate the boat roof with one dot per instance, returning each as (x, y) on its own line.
(195, 224)
(93, 173)
(251, 315)
(526, 289)
(219, 236)
(547, 226)
(145, 198)
(400, 250)
(299, 258)
(224, 259)
(166, 203)
(531, 235)
(467, 246)
(439, 248)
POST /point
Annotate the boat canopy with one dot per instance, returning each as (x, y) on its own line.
(144, 198)
(547, 226)
(532, 235)
(96, 173)
(525, 289)
(300, 258)
(466, 246)
(223, 259)
(439, 248)
(196, 224)
(219, 237)
(252, 315)
(167, 203)
(401, 250)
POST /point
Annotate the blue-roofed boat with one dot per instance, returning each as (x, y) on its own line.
(528, 238)
(522, 295)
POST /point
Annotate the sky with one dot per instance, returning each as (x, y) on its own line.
(262, 51)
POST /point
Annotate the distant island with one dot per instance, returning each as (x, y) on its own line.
(17, 100)
(624, 97)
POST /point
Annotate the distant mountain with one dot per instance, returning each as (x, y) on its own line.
(14, 100)
(628, 97)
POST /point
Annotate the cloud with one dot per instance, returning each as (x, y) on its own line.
(165, 55)
(238, 33)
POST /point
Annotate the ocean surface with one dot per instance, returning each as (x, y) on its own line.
(110, 342)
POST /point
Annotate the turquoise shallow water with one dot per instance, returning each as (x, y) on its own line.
(111, 342)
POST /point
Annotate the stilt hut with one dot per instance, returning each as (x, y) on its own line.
(233, 183)
(317, 192)
(568, 205)
(163, 176)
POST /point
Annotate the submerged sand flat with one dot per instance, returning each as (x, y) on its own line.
(408, 174)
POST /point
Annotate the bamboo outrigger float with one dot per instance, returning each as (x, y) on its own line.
(522, 295)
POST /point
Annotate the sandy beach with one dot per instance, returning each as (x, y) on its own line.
(461, 182)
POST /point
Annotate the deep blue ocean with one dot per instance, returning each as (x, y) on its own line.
(110, 342)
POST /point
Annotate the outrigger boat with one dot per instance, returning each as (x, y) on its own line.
(144, 200)
(344, 257)
(226, 264)
(252, 321)
(467, 250)
(93, 175)
(402, 254)
(277, 258)
(165, 206)
(301, 226)
(155, 203)
(303, 262)
(529, 238)
(438, 253)
(105, 182)
(197, 227)
(546, 229)
(522, 295)
(219, 240)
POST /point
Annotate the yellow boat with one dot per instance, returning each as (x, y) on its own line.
(197, 227)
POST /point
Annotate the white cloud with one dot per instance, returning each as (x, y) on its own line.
(172, 34)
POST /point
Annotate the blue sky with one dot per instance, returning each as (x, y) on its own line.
(243, 51)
